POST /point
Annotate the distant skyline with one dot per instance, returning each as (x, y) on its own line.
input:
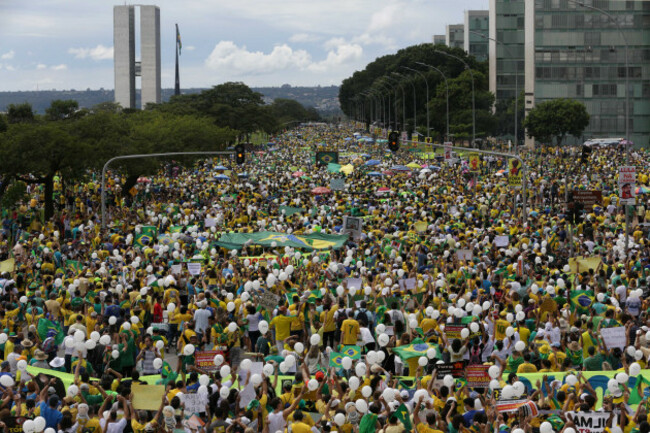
(68, 44)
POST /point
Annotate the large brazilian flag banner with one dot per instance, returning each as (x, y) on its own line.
(327, 157)
(314, 241)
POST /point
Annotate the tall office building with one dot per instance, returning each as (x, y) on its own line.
(454, 36)
(126, 67)
(576, 52)
(475, 45)
(439, 39)
(506, 58)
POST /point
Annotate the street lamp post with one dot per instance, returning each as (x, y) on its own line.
(427, 87)
(415, 107)
(388, 85)
(446, 86)
(473, 99)
(382, 110)
(380, 84)
(627, 108)
(399, 84)
(516, 83)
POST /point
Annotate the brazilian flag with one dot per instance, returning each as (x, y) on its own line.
(353, 352)
(402, 413)
(175, 229)
(553, 241)
(335, 360)
(146, 236)
(313, 295)
(417, 348)
(73, 265)
(327, 157)
(641, 390)
(45, 325)
(581, 300)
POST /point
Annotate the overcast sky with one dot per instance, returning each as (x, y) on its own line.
(68, 44)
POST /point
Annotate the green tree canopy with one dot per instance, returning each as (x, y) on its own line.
(20, 113)
(557, 118)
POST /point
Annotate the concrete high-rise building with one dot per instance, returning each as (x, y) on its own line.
(454, 36)
(579, 53)
(506, 58)
(124, 55)
(439, 40)
(475, 45)
(126, 67)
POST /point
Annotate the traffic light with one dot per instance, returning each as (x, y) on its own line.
(240, 155)
(393, 141)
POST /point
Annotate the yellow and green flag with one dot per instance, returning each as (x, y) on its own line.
(146, 236)
(353, 352)
(417, 348)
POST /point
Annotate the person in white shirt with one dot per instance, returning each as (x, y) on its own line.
(277, 420)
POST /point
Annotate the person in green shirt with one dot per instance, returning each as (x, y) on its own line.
(594, 362)
(127, 351)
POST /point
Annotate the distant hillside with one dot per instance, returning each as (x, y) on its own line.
(324, 99)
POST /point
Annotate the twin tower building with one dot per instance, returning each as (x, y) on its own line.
(126, 66)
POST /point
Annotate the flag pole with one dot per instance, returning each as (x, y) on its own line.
(177, 85)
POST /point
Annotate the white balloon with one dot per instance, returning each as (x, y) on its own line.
(312, 385)
(362, 406)
(464, 333)
(90, 344)
(111, 320)
(339, 418)
(494, 371)
(73, 390)
(546, 427)
(360, 369)
(366, 391)
(354, 383)
(448, 380)
(383, 340)
(224, 392)
(224, 371)
(290, 361)
(29, 426)
(188, 350)
(157, 363)
(105, 340)
(256, 379)
(39, 423)
(314, 339)
(299, 348)
(422, 361)
(519, 388)
(232, 327)
(571, 379)
(218, 359)
(635, 368)
(520, 346)
(115, 354)
(622, 378)
(494, 384)
(268, 370)
(246, 365)
(6, 381)
(159, 344)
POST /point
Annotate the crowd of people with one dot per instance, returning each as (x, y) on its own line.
(380, 292)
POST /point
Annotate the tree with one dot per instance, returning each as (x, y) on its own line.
(557, 118)
(62, 109)
(20, 113)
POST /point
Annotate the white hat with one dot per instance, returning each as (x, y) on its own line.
(57, 362)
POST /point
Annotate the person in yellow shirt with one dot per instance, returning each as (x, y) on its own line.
(282, 324)
(350, 331)
(429, 424)
(329, 324)
(300, 424)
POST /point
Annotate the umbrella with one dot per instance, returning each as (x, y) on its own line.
(347, 139)
(414, 165)
(434, 167)
(375, 173)
(366, 155)
(347, 169)
(383, 189)
(400, 168)
(387, 172)
(321, 190)
(298, 174)
(642, 190)
(373, 162)
(221, 177)
(220, 167)
(425, 170)
(242, 175)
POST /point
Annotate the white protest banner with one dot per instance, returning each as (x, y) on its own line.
(614, 337)
(626, 184)
(407, 284)
(177, 269)
(501, 241)
(210, 222)
(589, 422)
(465, 254)
(354, 282)
(195, 403)
(194, 268)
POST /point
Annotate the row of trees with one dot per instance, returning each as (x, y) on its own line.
(554, 119)
(72, 142)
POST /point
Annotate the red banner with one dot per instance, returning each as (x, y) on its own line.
(205, 360)
(477, 376)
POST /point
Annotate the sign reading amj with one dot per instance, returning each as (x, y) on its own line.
(314, 241)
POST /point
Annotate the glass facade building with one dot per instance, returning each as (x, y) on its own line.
(455, 36)
(506, 58)
(475, 45)
(439, 39)
(577, 52)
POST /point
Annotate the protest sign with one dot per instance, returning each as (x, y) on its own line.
(456, 369)
(589, 422)
(584, 264)
(195, 403)
(514, 172)
(205, 359)
(162, 326)
(477, 376)
(626, 184)
(269, 301)
(210, 222)
(147, 397)
(177, 269)
(337, 184)
(407, 283)
(510, 405)
(464, 254)
(501, 241)
(194, 268)
(353, 226)
(614, 337)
